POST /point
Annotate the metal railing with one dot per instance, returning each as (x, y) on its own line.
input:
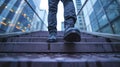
(82, 7)
(14, 34)
(106, 35)
(33, 10)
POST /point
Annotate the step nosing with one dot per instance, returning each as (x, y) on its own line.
(66, 42)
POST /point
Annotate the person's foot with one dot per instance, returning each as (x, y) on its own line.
(52, 37)
(72, 35)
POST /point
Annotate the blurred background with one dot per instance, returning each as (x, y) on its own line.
(31, 15)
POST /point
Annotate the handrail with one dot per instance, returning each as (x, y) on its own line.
(106, 35)
(82, 7)
(14, 34)
(34, 11)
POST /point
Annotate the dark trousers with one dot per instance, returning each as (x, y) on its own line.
(69, 14)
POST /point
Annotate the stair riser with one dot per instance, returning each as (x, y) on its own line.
(59, 47)
(46, 35)
(44, 39)
(59, 64)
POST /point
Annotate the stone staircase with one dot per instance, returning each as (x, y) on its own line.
(32, 50)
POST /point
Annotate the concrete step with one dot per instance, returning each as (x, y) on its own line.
(42, 37)
(32, 50)
(60, 60)
(45, 34)
(59, 39)
(75, 47)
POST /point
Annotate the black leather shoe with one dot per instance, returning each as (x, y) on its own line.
(72, 35)
(52, 37)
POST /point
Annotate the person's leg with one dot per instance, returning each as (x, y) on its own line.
(71, 34)
(69, 13)
(52, 22)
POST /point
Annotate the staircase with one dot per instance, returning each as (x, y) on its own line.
(32, 50)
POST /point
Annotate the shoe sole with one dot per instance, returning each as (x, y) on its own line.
(73, 36)
(52, 40)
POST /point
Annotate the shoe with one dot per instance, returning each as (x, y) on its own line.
(52, 37)
(72, 35)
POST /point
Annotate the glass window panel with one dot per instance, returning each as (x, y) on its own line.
(85, 11)
(102, 19)
(116, 26)
(106, 2)
(31, 2)
(91, 10)
(89, 6)
(94, 25)
(87, 20)
(4, 27)
(118, 2)
(92, 16)
(113, 11)
(1, 2)
(89, 28)
(97, 7)
(16, 5)
(93, 1)
(106, 29)
(10, 15)
(83, 1)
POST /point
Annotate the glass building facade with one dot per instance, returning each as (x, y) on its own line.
(80, 24)
(102, 16)
(19, 16)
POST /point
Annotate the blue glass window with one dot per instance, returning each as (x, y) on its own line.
(3, 4)
(105, 3)
(102, 19)
(106, 29)
(116, 26)
(4, 27)
(16, 5)
(113, 10)
(97, 6)
(94, 25)
(92, 16)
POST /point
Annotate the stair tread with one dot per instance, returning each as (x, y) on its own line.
(62, 43)
(27, 51)
(59, 39)
(60, 47)
(47, 37)
(45, 34)
(103, 57)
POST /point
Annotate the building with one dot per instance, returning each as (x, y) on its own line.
(80, 24)
(8, 9)
(41, 24)
(102, 16)
(19, 16)
(62, 26)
